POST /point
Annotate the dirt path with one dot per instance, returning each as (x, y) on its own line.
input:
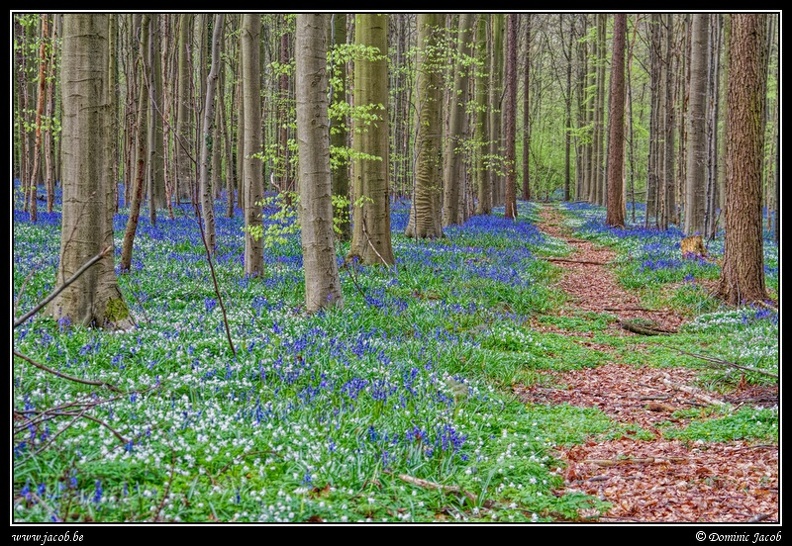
(658, 480)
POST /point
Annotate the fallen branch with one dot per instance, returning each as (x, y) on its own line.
(643, 309)
(729, 364)
(646, 330)
(693, 392)
(432, 485)
(586, 262)
(634, 460)
(65, 376)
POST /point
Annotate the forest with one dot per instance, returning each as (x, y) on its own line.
(396, 268)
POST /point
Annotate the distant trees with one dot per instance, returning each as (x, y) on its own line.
(438, 108)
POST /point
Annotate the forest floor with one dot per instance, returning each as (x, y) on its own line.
(659, 480)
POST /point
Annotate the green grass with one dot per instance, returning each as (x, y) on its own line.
(322, 417)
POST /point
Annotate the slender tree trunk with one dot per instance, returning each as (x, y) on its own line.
(254, 184)
(697, 127)
(454, 155)
(615, 205)
(208, 141)
(338, 132)
(495, 112)
(510, 163)
(40, 100)
(184, 144)
(322, 283)
(480, 132)
(156, 145)
(140, 139)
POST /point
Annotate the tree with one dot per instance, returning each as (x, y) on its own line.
(207, 195)
(480, 132)
(510, 202)
(494, 108)
(156, 165)
(253, 179)
(526, 136)
(453, 172)
(184, 160)
(742, 278)
(615, 201)
(425, 220)
(141, 141)
(94, 299)
(338, 129)
(322, 283)
(697, 126)
(371, 238)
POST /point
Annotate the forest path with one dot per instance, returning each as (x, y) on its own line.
(656, 480)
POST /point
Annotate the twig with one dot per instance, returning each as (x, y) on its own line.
(64, 376)
(368, 240)
(731, 364)
(432, 485)
(167, 489)
(758, 517)
(693, 392)
(214, 277)
(632, 326)
(62, 287)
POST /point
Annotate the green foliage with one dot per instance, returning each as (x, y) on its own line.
(746, 423)
(281, 212)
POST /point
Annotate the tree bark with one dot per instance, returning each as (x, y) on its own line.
(742, 279)
(615, 205)
(251, 118)
(94, 299)
(696, 170)
(322, 283)
(425, 215)
(510, 116)
(371, 239)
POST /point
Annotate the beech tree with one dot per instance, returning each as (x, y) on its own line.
(322, 283)
(697, 126)
(425, 220)
(742, 278)
(371, 237)
(615, 201)
(94, 299)
(253, 179)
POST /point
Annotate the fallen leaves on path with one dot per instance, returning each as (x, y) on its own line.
(659, 480)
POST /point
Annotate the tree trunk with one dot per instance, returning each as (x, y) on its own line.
(184, 140)
(480, 132)
(140, 139)
(322, 283)
(94, 299)
(156, 145)
(253, 181)
(742, 279)
(425, 214)
(510, 115)
(696, 170)
(371, 234)
(339, 133)
(208, 141)
(615, 202)
(453, 172)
